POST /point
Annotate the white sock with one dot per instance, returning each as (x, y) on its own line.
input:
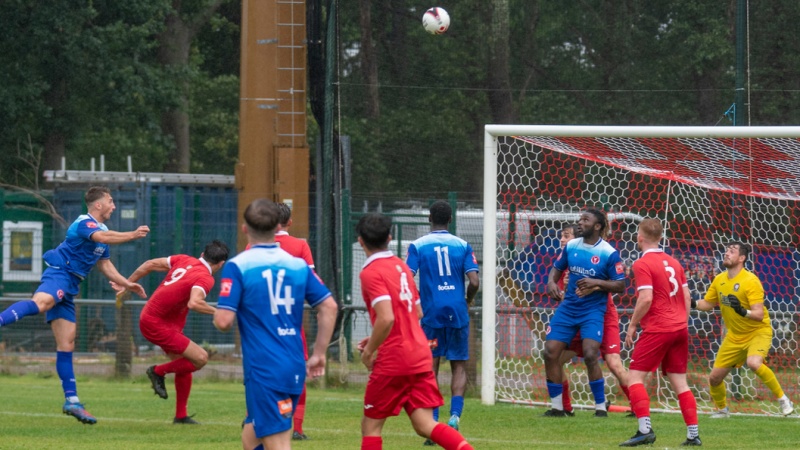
(557, 402)
(644, 424)
(73, 399)
(599, 406)
(692, 431)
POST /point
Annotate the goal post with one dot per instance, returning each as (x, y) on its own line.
(708, 186)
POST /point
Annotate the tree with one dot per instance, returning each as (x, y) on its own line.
(182, 24)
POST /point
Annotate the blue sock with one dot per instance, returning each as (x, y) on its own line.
(599, 390)
(436, 414)
(555, 389)
(66, 374)
(17, 311)
(457, 405)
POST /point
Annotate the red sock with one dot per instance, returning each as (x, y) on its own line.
(183, 385)
(449, 438)
(300, 412)
(624, 390)
(565, 398)
(371, 443)
(640, 401)
(688, 407)
(180, 365)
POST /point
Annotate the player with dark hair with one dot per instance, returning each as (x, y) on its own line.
(609, 348)
(85, 246)
(185, 287)
(396, 353)
(662, 308)
(741, 298)
(263, 289)
(442, 261)
(595, 270)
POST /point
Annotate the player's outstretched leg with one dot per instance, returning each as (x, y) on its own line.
(157, 381)
(17, 311)
(447, 437)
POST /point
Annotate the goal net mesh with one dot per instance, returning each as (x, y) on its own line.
(706, 191)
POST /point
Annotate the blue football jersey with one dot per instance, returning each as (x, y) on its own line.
(442, 261)
(600, 261)
(266, 287)
(79, 253)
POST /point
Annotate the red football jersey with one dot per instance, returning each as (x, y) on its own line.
(295, 246)
(169, 301)
(664, 275)
(405, 351)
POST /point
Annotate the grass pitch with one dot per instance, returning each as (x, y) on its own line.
(131, 417)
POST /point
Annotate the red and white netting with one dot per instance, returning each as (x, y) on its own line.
(708, 186)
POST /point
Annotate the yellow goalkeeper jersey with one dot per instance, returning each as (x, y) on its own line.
(748, 289)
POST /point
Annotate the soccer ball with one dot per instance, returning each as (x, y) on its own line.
(436, 20)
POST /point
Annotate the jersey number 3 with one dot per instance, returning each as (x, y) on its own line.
(274, 287)
(672, 280)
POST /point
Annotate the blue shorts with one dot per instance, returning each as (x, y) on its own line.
(269, 411)
(565, 324)
(452, 343)
(63, 286)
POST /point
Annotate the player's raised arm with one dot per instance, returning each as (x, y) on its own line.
(151, 265)
(120, 237)
(106, 267)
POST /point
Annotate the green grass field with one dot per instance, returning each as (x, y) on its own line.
(131, 417)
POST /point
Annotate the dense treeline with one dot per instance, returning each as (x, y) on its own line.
(82, 78)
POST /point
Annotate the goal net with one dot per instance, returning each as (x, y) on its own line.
(707, 185)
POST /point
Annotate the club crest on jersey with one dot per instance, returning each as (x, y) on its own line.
(595, 259)
(621, 267)
(225, 287)
(736, 287)
(60, 294)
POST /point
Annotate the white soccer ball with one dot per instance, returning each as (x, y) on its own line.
(436, 20)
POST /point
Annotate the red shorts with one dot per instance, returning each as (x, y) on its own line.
(169, 336)
(611, 342)
(669, 349)
(386, 395)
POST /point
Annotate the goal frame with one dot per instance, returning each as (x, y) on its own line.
(491, 134)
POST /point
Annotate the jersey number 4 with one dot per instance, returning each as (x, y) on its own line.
(274, 287)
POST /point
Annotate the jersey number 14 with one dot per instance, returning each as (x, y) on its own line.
(274, 287)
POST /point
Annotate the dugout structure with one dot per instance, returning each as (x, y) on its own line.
(708, 186)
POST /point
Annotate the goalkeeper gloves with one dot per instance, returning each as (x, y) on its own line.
(693, 304)
(736, 305)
